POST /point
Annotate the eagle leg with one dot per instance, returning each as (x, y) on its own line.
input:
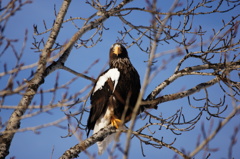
(115, 122)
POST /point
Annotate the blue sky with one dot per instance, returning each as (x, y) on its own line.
(47, 141)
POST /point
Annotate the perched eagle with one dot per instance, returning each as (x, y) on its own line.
(116, 91)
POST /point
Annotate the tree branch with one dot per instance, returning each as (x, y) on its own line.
(215, 132)
(183, 94)
(188, 70)
(14, 120)
(74, 151)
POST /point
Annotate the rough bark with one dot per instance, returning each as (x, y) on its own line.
(14, 121)
(78, 148)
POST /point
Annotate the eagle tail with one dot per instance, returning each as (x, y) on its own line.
(102, 145)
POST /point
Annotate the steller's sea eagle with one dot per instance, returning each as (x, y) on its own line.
(116, 91)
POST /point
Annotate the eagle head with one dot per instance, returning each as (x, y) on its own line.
(117, 50)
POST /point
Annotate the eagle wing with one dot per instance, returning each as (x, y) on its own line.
(102, 90)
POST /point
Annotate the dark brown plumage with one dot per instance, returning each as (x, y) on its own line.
(115, 90)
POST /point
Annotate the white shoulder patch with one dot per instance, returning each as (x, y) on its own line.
(113, 73)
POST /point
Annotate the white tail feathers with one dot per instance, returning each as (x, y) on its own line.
(102, 145)
(101, 123)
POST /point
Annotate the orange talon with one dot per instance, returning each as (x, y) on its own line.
(116, 122)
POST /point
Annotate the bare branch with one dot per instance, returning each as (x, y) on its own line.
(14, 121)
(74, 151)
(214, 133)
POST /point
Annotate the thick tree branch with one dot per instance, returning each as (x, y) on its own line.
(187, 71)
(183, 94)
(74, 151)
(14, 121)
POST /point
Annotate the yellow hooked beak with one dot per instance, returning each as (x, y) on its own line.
(117, 50)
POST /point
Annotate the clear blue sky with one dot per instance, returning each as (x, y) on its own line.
(29, 145)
